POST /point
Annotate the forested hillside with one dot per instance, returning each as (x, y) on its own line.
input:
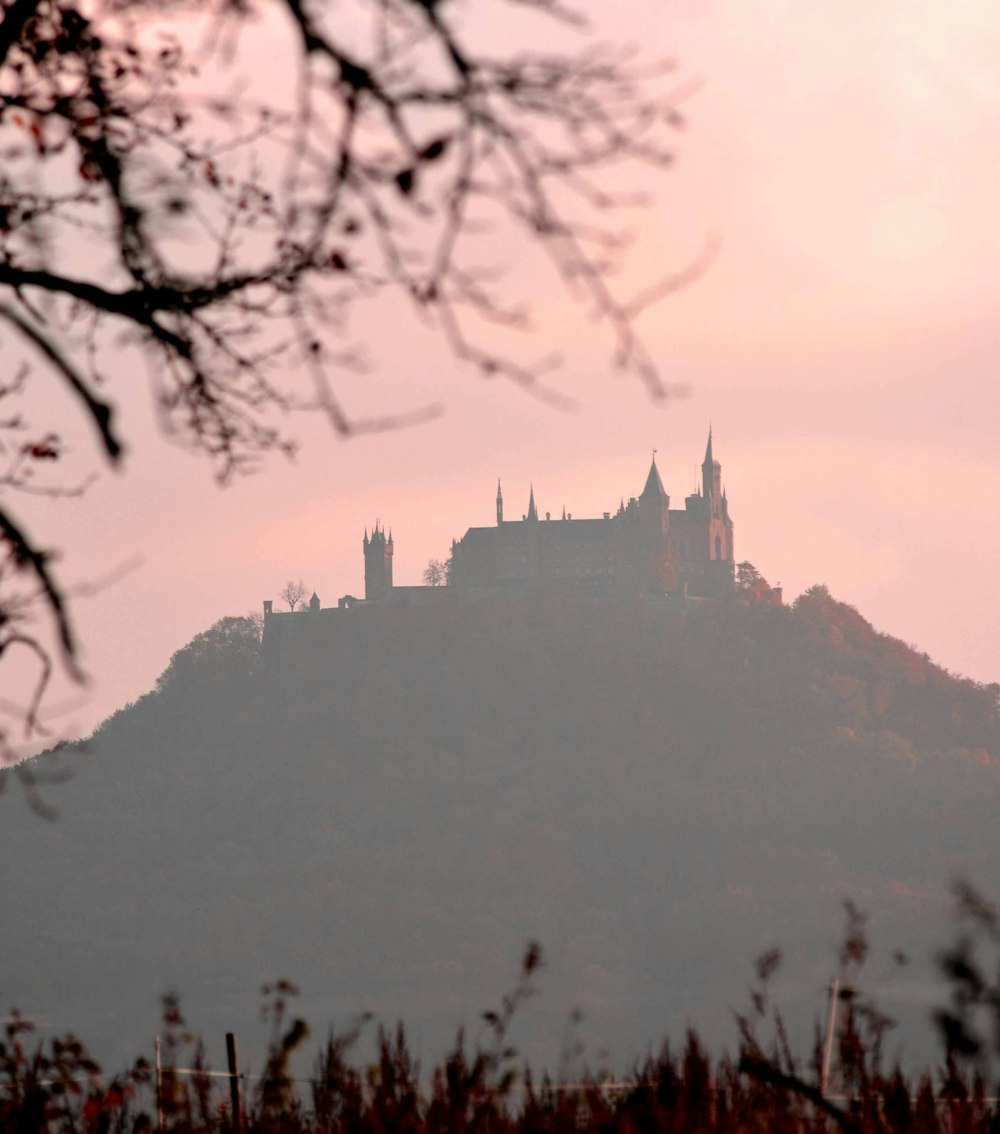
(388, 810)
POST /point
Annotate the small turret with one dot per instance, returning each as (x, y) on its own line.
(654, 492)
(499, 504)
(532, 510)
(314, 602)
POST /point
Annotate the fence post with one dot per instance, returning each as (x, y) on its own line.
(234, 1083)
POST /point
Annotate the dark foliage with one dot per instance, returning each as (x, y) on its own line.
(485, 1090)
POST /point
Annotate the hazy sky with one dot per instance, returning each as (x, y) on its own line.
(843, 344)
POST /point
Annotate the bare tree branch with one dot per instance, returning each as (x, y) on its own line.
(30, 558)
(99, 412)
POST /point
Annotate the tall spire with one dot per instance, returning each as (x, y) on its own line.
(711, 474)
(532, 510)
(499, 504)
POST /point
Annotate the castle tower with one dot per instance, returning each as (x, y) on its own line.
(378, 564)
(711, 478)
(654, 520)
(499, 504)
(719, 524)
(654, 505)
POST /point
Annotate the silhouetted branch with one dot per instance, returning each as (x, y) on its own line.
(99, 412)
(28, 557)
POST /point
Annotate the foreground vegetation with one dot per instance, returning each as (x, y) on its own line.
(484, 1087)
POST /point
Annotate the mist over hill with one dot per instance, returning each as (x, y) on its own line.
(386, 808)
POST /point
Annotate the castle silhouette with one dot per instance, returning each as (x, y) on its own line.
(645, 547)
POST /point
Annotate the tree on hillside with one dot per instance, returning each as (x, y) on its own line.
(256, 620)
(751, 584)
(224, 240)
(435, 573)
(293, 593)
(819, 592)
(223, 652)
(747, 575)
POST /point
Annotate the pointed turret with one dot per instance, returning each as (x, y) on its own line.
(708, 449)
(654, 489)
(653, 515)
(499, 504)
(532, 510)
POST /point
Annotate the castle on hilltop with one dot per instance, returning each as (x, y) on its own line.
(645, 547)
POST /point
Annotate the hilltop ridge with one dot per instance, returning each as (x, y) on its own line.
(656, 793)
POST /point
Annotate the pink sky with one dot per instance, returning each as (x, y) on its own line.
(843, 344)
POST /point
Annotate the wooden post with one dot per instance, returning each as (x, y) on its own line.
(831, 1030)
(234, 1083)
(160, 1119)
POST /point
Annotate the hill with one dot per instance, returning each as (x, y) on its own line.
(387, 813)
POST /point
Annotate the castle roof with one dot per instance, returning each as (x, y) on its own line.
(552, 533)
(654, 489)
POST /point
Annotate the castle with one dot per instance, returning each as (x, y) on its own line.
(645, 547)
